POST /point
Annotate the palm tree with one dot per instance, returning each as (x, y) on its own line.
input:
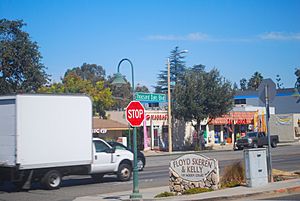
(255, 81)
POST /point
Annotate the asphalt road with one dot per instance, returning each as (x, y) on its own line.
(155, 174)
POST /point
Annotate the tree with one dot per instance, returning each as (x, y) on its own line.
(177, 68)
(21, 69)
(202, 95)
(255, 81)
(243, 84)
(72, 83)
(122, 95)
(279, 84)
(91, 72)
(140, 88)
(297, 83)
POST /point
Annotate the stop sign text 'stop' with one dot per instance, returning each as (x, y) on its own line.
(135, 113)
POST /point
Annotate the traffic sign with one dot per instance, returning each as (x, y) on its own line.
(135, 113)
(150, 97)
(271, 90)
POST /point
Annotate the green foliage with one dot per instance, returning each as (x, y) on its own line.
(279, 84)
(140, 88)
(21, 69)
(165, 194)
(231, 184)
(255, 81)
(243, 84)
(297, 83)
(234, 175)
(198, 96)
(235, 86)
(196, 191)
(122, 95)
(177, 69)
(91, 72)
(72, 83)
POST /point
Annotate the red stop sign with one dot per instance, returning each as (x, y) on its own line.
(135, 113)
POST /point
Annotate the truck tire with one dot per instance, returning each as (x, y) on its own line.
(273, 144)
(255, 145)
(97, 177)
(140, 164)
(124, 172)
(52, 180)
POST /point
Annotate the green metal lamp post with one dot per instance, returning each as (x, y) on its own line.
(119, 80)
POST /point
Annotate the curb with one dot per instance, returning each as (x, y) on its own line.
(288, 190)
(278, 191)
(184, 152)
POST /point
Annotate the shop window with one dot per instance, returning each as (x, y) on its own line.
(153, 104)
(239, 101)
(217, 134)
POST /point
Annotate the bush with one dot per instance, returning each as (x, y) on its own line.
(164, 194)
(196, 191)
(234, 175)
(231, 184)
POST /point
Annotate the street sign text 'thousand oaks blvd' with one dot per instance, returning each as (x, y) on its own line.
(150, 97)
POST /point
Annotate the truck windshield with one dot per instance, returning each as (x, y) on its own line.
(251, 134)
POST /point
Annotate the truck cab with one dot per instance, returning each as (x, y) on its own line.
(108, 160)
(255, 140)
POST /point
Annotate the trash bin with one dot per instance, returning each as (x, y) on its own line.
(256, 167)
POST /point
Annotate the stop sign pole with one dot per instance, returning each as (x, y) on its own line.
(119, 80)
(135, 115)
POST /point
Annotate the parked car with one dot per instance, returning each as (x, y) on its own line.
(255, 140)
(141, 160)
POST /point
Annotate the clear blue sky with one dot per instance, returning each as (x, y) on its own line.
(237, 37)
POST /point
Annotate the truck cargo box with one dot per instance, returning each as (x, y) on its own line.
(45, 131)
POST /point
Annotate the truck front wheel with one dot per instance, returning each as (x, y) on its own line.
(273, 144)
(52, 180)
(124, 172)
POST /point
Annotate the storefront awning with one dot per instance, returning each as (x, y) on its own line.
(234, 118)
(107, 124)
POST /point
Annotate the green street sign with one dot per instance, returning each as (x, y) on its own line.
(147, 97)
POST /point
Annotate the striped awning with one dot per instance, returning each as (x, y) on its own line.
(234, 118)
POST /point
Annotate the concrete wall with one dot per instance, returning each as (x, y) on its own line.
(117, 116)
(284, 125)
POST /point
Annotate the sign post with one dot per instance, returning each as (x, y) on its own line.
(135, 115)
(267, 92)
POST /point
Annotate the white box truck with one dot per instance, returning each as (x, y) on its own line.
(46, 137)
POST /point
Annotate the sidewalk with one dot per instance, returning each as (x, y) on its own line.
(227, 147)
(216, 147)
(229, 193)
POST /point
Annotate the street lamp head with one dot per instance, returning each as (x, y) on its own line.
(119, 80)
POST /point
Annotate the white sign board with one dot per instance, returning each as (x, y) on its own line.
(193, 167)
